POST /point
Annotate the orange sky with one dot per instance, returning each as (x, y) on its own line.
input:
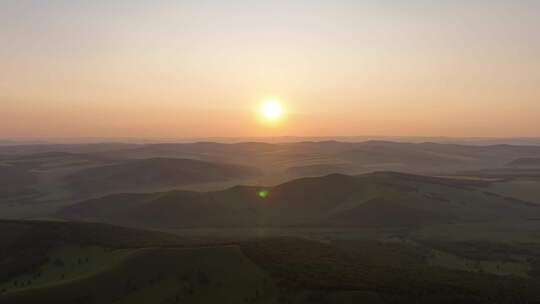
(201, 68)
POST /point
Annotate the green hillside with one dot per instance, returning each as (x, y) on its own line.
(159, 275)
(97, 263)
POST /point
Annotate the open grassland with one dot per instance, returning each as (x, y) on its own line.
(65, 263)
(511, 268)
(270, 270)
(506, 232)
(298, 264)
(95, 263)
(528, 190)
(163, 275)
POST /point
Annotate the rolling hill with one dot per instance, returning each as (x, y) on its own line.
(153, 173)
(376, 199)
(66, 262)
(37, 180)
(70, 262)
(525, 163)
(359, 156)
(27, 178)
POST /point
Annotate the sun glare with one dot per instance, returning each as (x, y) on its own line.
(271, 109)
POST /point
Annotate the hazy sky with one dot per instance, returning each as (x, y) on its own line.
(200, 68)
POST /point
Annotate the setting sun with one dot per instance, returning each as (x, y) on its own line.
(271, 109)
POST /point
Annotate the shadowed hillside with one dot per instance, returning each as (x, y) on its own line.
(66, 262)
(152, 173)
(47, 177)
(356, 156)
(377, 199)
(69, 262)
(24, 244)
(525, 163)
(349, 157)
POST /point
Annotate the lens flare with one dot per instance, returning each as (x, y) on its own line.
(263, 193)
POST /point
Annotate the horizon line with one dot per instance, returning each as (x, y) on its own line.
(264, 139)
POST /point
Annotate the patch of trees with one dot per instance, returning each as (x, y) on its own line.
(298, 264)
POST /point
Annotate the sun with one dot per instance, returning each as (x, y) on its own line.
(271, 109)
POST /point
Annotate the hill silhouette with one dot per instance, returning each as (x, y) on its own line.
(376, 199)
(70, 262)
(529, 162)
(154, 172)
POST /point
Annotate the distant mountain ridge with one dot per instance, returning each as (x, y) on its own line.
(322, 157)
